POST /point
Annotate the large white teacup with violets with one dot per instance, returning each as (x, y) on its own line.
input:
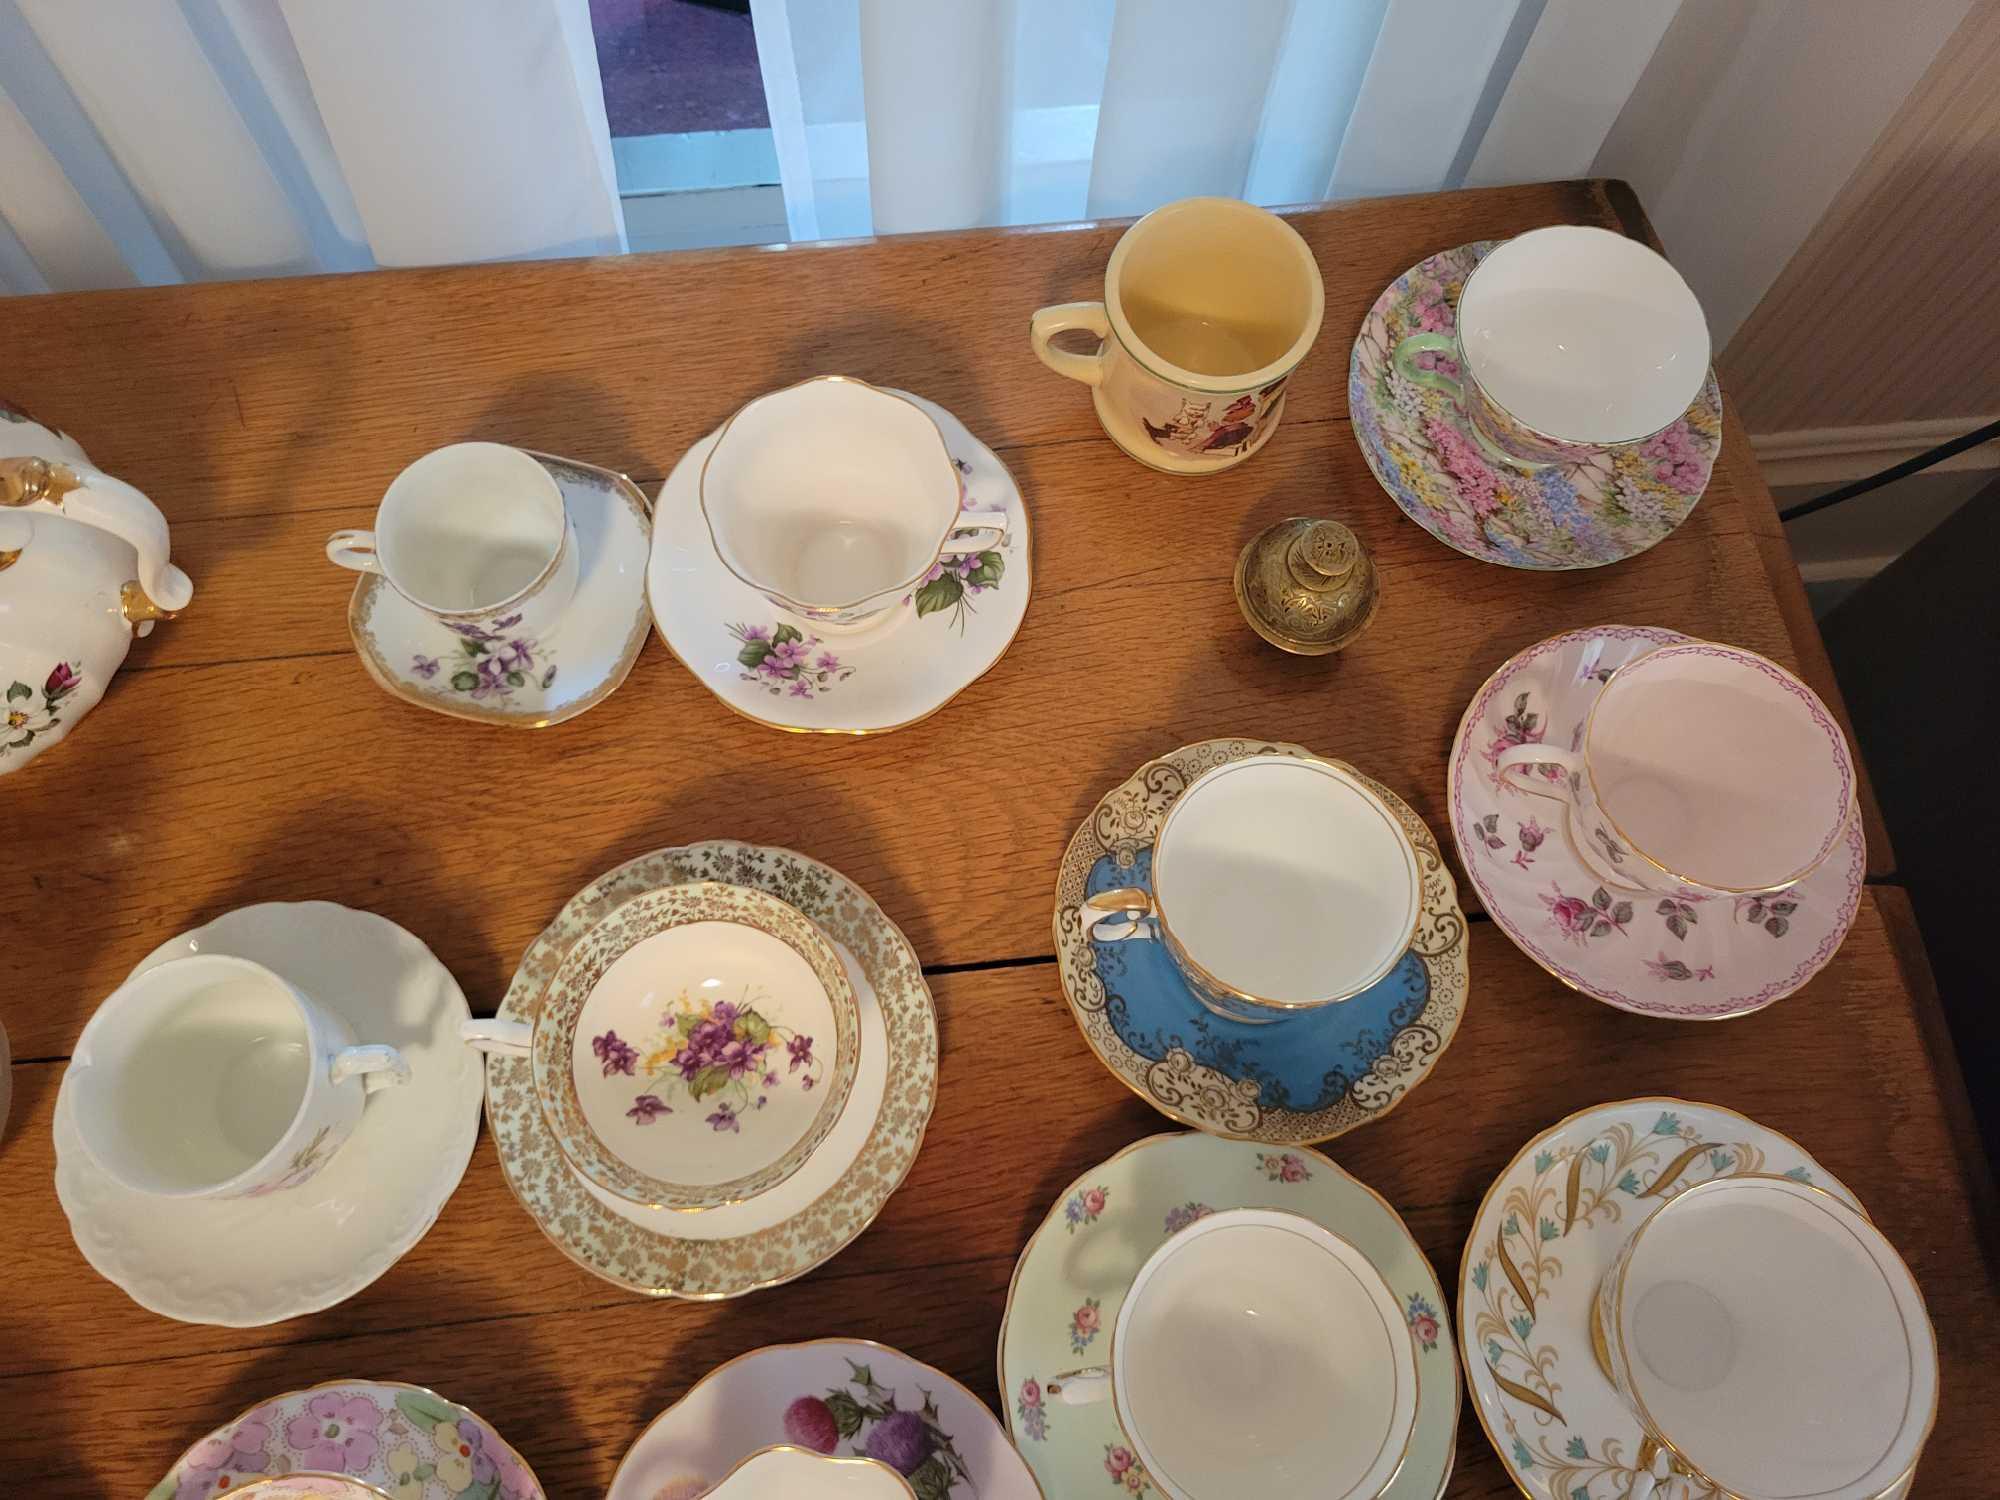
(1259, 1353)
(834, 499)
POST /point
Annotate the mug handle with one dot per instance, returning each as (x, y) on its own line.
(1128, 904)
(497, 1037)
(353, 549)
(1050, 321)
(982, 531)
(1085, 1387)
(379, 1067)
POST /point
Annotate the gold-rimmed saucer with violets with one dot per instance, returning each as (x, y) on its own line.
(1694, 956)
(1075, 1270)
(783, 673)
(821, 1208)
(848, 1398)
(1305, 1078)
(397, 1439)
(493, 676)
(1548, 1228)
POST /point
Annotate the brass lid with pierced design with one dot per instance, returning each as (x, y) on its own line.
(1307, 586)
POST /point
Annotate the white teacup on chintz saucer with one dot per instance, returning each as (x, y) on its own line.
(208, 1260)
(905, 663)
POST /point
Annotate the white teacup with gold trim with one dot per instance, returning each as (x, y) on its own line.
(835, 500)
(786, 1472)
(1279, 884)
(1209, 305)
(1259, 1353)
(1772, 1343)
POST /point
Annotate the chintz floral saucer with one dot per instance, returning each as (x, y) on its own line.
(1691, 956)
(819, 1210)
(1583, 515)
(770, 668)
(241, 1262)
(490, 675)
(845, 1397)
(1073, 1275)
(1549, 1227)
(401, 1440)
(1306, 1078)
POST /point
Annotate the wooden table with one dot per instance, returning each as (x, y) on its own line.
(243, 755)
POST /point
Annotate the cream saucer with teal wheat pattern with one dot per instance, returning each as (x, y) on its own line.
(1074, 1272)
(1305, 1078)
(1549, 1227)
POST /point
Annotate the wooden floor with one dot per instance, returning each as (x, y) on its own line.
(243, 755)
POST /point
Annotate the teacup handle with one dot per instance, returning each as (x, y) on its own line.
(1050, 321)
(493, 1035)
(1404, 358)
(980, 531)
(379, 1067)
(353, 549)
(1541, 755)
(1129, 905)
(1085, 1387)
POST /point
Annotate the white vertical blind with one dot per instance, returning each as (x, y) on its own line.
(1313, 89)
(1180, 112)
(952, 68)
(53, 241)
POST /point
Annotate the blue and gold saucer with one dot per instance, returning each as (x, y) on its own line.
(1290, 1082)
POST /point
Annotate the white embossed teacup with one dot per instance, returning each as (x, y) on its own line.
(1772, 1343)
(1279, 884)
(1258, 1353)
(477, 536)
(785, 1472)
(212, 1077)
(1701, 767)
(834, 500)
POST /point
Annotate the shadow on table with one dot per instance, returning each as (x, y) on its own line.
(539, 411)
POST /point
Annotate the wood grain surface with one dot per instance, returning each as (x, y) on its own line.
(243, 755)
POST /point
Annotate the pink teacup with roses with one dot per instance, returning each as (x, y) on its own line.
(1569, 340)
(1256, 1353)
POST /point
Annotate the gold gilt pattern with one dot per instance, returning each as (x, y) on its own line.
(1565, 1433)
(603, 945)
(1180, 1086)
(704, 1270)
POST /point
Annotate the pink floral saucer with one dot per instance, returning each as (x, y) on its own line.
(1691, 957)
(1583, 515)
(402, 1440)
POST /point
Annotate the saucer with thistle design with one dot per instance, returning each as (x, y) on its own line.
(494, 675)
(1308, 1077)
(920, 654)
(1073, 1275)
(1614, 504)
(1549, 1227)
(1692, 956)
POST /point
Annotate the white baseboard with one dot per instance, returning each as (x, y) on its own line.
(1835, 455)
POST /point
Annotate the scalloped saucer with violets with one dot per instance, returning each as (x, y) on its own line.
(1307, 1077)
(903, 664)
(1689, 956)
(1079, 1263)
(1550, 1226)
(493, 675)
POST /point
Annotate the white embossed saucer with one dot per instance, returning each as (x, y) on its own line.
(696, 1046)
(207, 1260)
(1075, 1270)
(774, 670)
(399, 1440)
(1690, 957)
(1307, 1077)
(818, 1211)
(846, 1397)
(488, 675)
(1548, 1228)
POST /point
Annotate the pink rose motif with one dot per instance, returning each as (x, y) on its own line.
(335, 1433)
(1425, 1327)
(61, 681)
(1291, 1169)
(1117, 1460)
(1031, 1392)
(1087, 1319)
(1571, 914)
(1093, 1201)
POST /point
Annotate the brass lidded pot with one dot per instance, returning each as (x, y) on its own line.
(1307, 586)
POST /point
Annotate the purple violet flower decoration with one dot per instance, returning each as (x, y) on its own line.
(648, 1107)
(617, 1055)
(801, 689)
(724, 1118)
(828, 662)
(800, 1047)
(425, 666)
